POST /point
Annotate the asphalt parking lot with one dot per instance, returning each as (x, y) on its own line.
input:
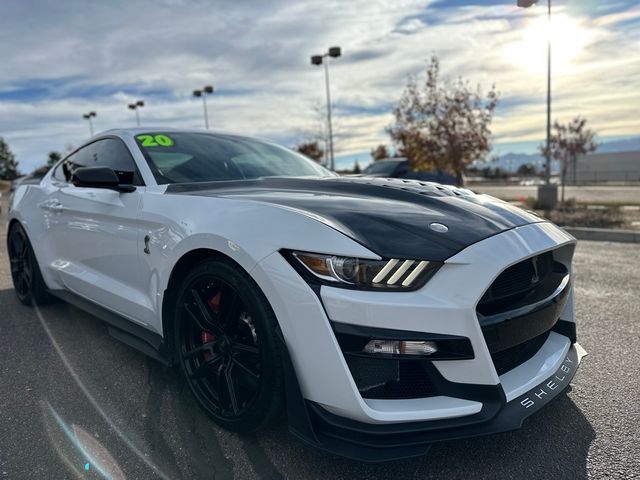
(67, 389)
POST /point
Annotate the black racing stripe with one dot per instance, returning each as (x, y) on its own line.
(391, 217)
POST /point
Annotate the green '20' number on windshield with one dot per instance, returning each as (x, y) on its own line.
(155, 140)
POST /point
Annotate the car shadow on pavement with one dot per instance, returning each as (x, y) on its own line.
(116, 388)
(151, 404)
(554, 443)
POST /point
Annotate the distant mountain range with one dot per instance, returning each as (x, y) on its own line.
(510, 162)
(627, 145)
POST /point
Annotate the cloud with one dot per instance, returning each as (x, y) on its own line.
(62, 59)
(618, 17)
(410, 25)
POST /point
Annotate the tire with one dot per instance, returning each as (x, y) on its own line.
(25, 271)
(225, 340)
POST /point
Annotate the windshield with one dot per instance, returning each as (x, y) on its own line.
(382, 167)
(184, 157)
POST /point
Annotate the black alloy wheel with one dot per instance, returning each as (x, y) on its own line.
(25, 272)
(224, 333)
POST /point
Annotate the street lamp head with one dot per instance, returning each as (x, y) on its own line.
(132, 106)
(526, 3)
(316, 60)
(335, 52)
(86, 115)
(92, 114)
(140, 103)
(208, 89)
(197, 93)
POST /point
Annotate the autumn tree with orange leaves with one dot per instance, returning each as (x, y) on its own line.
(311, 149)
(443, 124)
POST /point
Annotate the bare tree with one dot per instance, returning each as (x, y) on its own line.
(316, 130)
(443, 124)
(568, 143)
(381, 152)
(311, 149)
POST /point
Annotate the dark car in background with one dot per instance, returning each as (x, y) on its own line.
(400, 168)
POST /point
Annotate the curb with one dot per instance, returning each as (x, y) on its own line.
(604, 234)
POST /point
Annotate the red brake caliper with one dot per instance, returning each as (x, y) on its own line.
(208, 337)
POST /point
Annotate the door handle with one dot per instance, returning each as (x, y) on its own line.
(52, 206)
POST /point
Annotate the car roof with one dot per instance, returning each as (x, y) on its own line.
(394, 159)
(138, 130)
(132, 132)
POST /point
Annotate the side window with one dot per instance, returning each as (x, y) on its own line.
(113, 153)
(81, 158)
(85, 157)
(109, 152)
(58, 173)
(63, 171)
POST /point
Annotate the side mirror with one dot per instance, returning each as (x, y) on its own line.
(99, 177)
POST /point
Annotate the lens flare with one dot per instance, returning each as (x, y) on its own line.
(569, 38)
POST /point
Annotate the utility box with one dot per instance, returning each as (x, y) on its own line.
(547, 197)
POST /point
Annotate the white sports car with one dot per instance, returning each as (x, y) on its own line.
(381, 315)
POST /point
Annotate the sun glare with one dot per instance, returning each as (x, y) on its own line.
(568, 40)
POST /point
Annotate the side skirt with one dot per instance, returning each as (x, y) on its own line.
(120, 328)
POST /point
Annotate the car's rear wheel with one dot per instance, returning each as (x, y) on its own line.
(226, 344)
(25, 272)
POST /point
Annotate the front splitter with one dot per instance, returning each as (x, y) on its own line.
(379, 443)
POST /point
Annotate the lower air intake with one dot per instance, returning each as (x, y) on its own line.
(513, 357)
(390, 379)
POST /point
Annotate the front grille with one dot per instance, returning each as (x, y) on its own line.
(512, 357)
(515, 283)
(390, 379)
(520, 308)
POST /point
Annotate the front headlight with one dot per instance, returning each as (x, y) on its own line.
(349, 272)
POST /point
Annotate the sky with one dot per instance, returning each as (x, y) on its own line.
(59, 60)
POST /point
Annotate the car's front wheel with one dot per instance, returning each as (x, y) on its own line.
(226, 344)
(25, 271)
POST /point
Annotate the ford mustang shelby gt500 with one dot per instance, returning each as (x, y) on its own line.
(381, 315)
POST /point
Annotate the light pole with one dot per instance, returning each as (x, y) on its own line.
(88, 116)
(550, 193)
(334, 52)
(203, 93)
(136, 106)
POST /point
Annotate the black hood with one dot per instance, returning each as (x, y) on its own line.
(391, 217)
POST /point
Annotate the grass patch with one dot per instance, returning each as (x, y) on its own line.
(580, 216)
(576, 214)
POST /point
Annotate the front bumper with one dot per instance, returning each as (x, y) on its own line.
(326, 407)
(384, 442)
